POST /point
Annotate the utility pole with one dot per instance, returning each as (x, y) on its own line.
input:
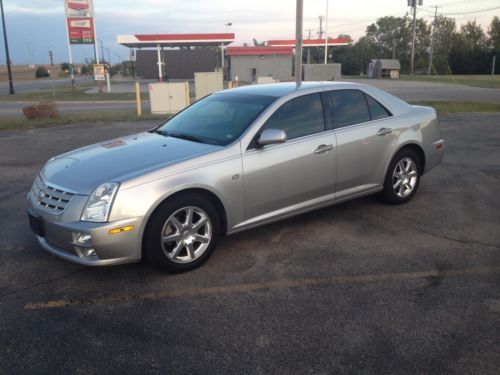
(298, 41)
(326, 33)
(413, 4)
(320, 27)
(9, 71)
(431, 48)
(102, 50)
(493, 65)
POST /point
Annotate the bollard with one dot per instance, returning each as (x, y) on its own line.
(187, 92)
(108, 83)
(138, 98)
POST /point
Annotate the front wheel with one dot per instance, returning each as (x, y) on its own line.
(403, 177)
(182, 233)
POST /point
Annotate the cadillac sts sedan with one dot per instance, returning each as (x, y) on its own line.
(234, 160)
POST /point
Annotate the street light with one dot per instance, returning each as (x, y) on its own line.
(30, 52)
(9, 71)
(228, 25)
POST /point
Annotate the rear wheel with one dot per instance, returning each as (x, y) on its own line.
(182, 233)
(403, 177)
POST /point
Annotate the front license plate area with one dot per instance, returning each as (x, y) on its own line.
(36, 223)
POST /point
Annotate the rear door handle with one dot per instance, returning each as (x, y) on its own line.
(323, 148)
(384, 131)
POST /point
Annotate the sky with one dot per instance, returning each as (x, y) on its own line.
(36, 26)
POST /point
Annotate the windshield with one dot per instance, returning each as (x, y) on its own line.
(217, 119)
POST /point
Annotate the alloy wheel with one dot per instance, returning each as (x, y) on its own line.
(404, 177)
(186, 234)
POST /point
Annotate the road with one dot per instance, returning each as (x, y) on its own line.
(361, 287)
(420, 90)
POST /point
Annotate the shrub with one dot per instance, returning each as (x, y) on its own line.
(42, 72)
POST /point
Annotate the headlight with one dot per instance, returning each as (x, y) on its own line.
(99, 203)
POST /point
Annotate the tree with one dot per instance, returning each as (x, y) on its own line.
(392, 37)
(444, 35)
(472, 36)
(494, 33)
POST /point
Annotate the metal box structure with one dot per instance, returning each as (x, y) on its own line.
(207, 82)
(168, 97)
(322, 72)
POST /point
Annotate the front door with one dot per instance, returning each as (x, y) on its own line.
(283, 178)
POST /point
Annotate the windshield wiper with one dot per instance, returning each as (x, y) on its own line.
(161, 132)
(187, 137)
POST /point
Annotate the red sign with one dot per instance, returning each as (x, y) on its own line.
(81, 30)
(79, 8)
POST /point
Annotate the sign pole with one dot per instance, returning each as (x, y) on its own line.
(71, 69)
(9, 71)
(326, 33)
(95, 35)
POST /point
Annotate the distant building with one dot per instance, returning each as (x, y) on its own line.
(250, 63)
(384, 68)
(177, 64)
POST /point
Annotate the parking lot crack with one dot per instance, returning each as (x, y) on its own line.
(448, 238)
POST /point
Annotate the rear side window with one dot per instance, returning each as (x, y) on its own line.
(347, 107)
(377, 110)
(299, 117)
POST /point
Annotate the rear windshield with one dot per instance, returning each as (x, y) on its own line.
(217, 119)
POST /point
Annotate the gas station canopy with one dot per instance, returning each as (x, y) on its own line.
(175, 40)
(160, 41)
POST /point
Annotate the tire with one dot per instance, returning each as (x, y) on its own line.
(182, 233)
(402, 178)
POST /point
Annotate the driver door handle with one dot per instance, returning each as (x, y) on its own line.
(384, 131)
(323, 148)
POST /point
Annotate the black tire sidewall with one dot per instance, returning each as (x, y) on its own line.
(152, 249)
(388, 192)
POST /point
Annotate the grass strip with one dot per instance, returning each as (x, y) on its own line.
(78, 118)
(483, 81)
(459, 107)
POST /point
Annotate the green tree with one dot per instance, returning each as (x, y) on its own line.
(444, 36)
(494, 33)
(471, 37)
(392, 37)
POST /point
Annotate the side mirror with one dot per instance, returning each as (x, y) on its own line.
(271, 136)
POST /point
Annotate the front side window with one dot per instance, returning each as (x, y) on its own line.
(299, 117)
(347, 107)
(217, 119)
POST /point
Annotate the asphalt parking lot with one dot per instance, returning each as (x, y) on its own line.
(361, 287)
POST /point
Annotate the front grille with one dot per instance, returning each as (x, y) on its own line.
(48, 198)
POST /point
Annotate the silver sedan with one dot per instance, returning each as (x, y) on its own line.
(232, 161)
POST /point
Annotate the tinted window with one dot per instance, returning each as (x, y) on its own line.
(217, 119)
(299, 117)
(377, 110)
(347, 107)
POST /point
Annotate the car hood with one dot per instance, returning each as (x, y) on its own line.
(84, 169)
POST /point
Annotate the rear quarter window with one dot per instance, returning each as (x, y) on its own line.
(377, 110)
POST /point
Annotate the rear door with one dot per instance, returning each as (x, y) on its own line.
(283, 178)
(366, 136)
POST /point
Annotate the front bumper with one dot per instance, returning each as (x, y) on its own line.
(100, 248)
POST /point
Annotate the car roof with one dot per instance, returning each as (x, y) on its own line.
(285, 88)
(395, 105)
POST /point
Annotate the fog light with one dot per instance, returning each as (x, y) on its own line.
(89, 253)
(82, 243)
(84, 239)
